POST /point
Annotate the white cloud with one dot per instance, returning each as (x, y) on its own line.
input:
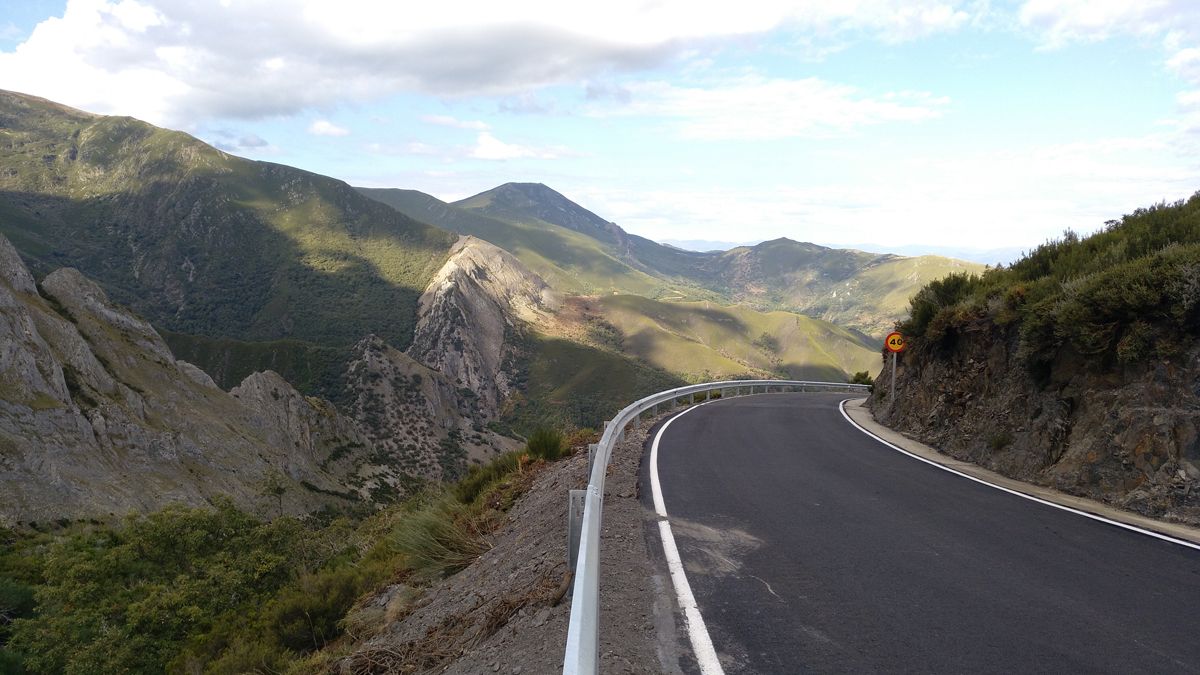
(488, 146)
(448, 121)
(756, 108)
(327, 128)
(1186, 63)
(179, 62)
(10, 31)
(1018, 197)
(240, 144)
(1061, 22)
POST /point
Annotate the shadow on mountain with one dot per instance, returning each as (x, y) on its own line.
(194, 258)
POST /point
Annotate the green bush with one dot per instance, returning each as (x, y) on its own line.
(479, 478)
(1125, 295)
(305, 615)
(862, 377)
(934, 298)
(438, 538)
(546, 443)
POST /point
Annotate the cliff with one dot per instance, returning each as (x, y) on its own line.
(97, 418)
(473, 305)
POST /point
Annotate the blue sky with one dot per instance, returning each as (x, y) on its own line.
(924, 122)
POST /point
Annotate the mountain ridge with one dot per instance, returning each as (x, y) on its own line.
(202, 242)
(863, 291)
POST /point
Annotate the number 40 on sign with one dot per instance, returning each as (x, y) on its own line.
(895, 344)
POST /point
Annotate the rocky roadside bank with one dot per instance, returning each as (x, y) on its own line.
(1128, 437)
(508, 611)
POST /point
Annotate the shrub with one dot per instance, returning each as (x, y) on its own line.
(479, 478)
(439, 538)
(862, 377)
(305, 615)
(546, 443)
(935, 297)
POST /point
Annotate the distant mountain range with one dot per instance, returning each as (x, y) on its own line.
(580, 252)
(989, 256)
(985, 256)
(702, 245)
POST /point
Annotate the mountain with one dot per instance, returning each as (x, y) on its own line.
(703, 341)
(571, 260)
(98, 418)
(1074, 367)
(204, 243)
(703, 245)
(579, 252)
(988, 256)
(864, 291)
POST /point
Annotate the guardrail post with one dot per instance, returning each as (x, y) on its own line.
(575, 503)
(592, 448)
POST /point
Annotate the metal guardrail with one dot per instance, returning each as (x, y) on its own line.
(583, 634)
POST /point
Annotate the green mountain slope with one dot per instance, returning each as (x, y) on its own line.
(577, 251)
(570, 260)
(702, 341)
(201, 242)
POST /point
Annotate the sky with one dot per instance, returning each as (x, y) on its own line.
(939, 123)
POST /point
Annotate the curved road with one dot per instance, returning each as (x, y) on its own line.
(811, 547)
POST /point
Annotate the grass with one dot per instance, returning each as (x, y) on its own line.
(546, 443)
(439, 537)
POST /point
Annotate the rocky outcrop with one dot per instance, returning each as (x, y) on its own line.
(1130, 437)
(480, 297)
(97, 418)
(419, 420)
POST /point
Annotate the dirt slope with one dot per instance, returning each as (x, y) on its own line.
(503, 613)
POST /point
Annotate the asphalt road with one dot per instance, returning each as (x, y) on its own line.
(813, 548)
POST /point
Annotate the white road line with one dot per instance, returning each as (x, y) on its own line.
(1085, 514)
(702, 647)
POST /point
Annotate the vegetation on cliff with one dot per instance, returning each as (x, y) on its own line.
(1122, 296)
(215, 590)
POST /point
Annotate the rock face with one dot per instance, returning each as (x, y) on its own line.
(97, 418)
(473, 305)
(419, 420)
(1130, 438)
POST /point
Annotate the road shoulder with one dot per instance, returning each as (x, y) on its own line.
(863, 417)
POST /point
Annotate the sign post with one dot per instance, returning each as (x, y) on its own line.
(895, 344)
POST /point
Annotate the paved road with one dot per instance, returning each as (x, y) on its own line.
(811, 547)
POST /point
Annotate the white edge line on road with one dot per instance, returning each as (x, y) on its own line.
(702, 646)
(1085, 514)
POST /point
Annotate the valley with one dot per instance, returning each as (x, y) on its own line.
(244, 267)
(193, 340)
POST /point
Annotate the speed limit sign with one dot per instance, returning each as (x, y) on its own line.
(894, 342)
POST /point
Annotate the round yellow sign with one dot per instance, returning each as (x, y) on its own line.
(894, 342)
